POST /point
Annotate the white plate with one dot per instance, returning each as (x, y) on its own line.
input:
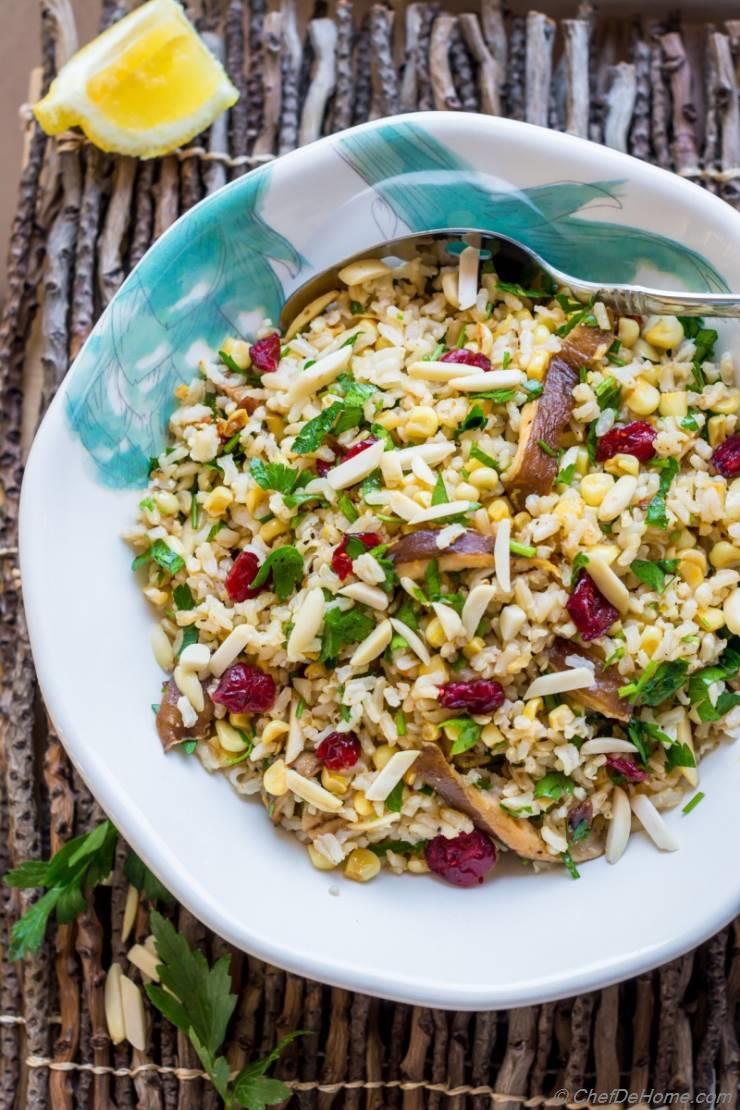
(520, 938)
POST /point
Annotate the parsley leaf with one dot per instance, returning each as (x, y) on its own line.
(275, 476)
(400, 847)
(139, 875)
(554, 786)
(656, 510)
(657, 683)
(477, 453)
(394, 800)
(342, 628)
(608, 393)
(640, 733)
(163, 555)
(567, 859)
(183, 597)
(476, 418)
(679, 755)
(190, 635)
(547, 449)
(657, 575)
(565, 475)
(286, 567)
(314, 432)
(520, 291)
(230, 363)
(465, 731)
(702, 681)
(439, 493)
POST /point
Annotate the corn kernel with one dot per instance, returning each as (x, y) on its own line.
(607, 552)
(731, 611)
(643, 398)
(316, 670)
(674, 404)
(361, 865)
(181, 392)
(727, 406)
(645, 350)
(498, 510)
(594, 488)
(434, 633)
(560, 717)
(472, 465)
(436, 666)
(628, 331)
(430, 731)
(717, 430)
(650, 640)
(334, 782)
(274, 779)
(240, 720)
(218, 501)
(538, 363)
(362, 805)
(521, 520)
(465, 492)
(541, 334)
(485, 478)
(274, 528)
(622, 464)
(532, 708)
(582, 460)
(255, 498)
(685, 540)
(239, 351)
(724, 554)
(650, 373)
(491, 735)
(449, 287)
(692, 567)
(275, 424)
(418, 866)
(474, 648)
(383, 344)
(319, 860)
(166, 502)
(382, 754)
(664, 332)
(422, 422)
(229, 738)
(711, 620)
(523, 314)
(273, 731)
(389, 420)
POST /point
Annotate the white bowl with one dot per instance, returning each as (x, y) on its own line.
(520, 938)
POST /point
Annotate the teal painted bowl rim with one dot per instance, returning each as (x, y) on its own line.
(240, 877)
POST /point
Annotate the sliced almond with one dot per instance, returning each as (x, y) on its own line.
(619, 826)
(311, 792)
(390, 776)
(189, 686)
(432, 453)
(355, 469)
(145, 960)
(307, 314)
(439, 512)
(114, 1004)
(230, 649)
(423, 471)
(134, 1015)
(373, 645)
(502, 554)
(605, 745)
(415, 642)
(275, 779)
(308, 620)
(610, 585)
(296, 740)
(488, 379)
(452, 626)
(653, 824)
(467, 281)
(365, 269)
(129, 912)
(321, 374)
(368, 569)
(685, 736)
(475, 606)
(372, 596)
(430, 370)
(402, 505)
(390, 468)
(560, 682)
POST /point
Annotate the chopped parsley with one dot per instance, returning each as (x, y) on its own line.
(355, 308)
(547, 449)
(656, 510)
(522, 549)
(657, 683)
(701, 684)
(275, 476)
(190, 635)
(657, 575)
(439, 493)
(285, 565)
(554, 786)
(694, 802)
(608, 393)
(565, 475)
(394, 801)
(570, 866)
(342, 628)
(183, 596)
(314, 432)
(476, 418)
(230, 363)
(347, 508)
(506, 360)
(520, 291)
(399, 847)
(478, 453)
(465, 731)
(161, 554)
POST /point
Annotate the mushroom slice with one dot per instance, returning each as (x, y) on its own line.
(603, 696)
(413, 553)
(485, 812)
(543, 421)
(170, 725)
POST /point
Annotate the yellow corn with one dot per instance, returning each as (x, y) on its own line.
(319, 860)
(559, 717)
(218, 501)
(622, 464)
(643, 398)
(418, 866)
(731, 610)
(684, 540)
(664, 332)
(475, 646)
(434, 633)
(181, 392)
(362, 806)
(594, 488)
(472, 465)
(315, 670)
(229, 738)
(582, 460)
(628, 331)
(275, 424)
(484, 478)
(674, 404)
(389, 420)
(465, 492)
(240, 720)
(710, 619)
(717, 430)
(646, 350)
(273, 731)
(532, 708)
(650, 640)
(166, 502)
(538, 363)
(430, 731)
(274, 528)
(361, 865)
(333, 782)
(274, 779)
(239, 351)
(541, 334)
(491, 735)
(382, 754)
(382, 344)
(255, 497)
(523, 314)
(692, 567)
(498, 510)
(521, 520)
(422, 422)
(727, 406)
(436, 666)
(724, 554)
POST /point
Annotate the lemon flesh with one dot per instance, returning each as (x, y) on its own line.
(143, 87)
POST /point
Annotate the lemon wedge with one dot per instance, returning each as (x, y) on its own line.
(143, 87)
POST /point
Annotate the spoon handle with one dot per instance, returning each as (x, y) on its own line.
(634, 300)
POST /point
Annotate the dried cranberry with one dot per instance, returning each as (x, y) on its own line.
(341, 562)
(580, 817)
(467, 358)
(464, 861)
(240, 576)
(637, 438)
(323, 468)
(592, 614)
(265, 353)
(626, 767)
(480, 696)
(356, 448)
(726, 457)
(244, 689)
(339, 750)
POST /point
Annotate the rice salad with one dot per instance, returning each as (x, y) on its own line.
(451, 568)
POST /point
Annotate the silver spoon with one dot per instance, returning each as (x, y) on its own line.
(629, 300)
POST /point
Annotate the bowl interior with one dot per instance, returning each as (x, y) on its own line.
(520, 938)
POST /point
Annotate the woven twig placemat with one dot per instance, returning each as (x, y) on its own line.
(667, 93)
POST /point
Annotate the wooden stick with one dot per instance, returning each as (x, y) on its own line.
(409, 89)
(83, 294)
(438, 1062)
(580, 1025)
(577, 37)
(642, 1026)
(639, 136)
(543, 1045)
(716, 1000)
(309, 1057)
(255, 75)
(489, 81)
(493, 25)
(462, 68)
(413, 1063)
(272, 79)
(516, 81)
(729, 114)
(359, 1014)
(457, 1056)
(540, 40)
(342, 111)
(423, 60)
(520, 1047)
(606, 1057)
(620, 101)
(336, 1045)
(167, 196)
(214, 173)
(239, 114)
(659, 106)
(443, 86)
(290, 72)
(111, 266)
(669, 999)
(323, 36)
(676, 66)
(484, 1043)
(58, 278)
(383, 70)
